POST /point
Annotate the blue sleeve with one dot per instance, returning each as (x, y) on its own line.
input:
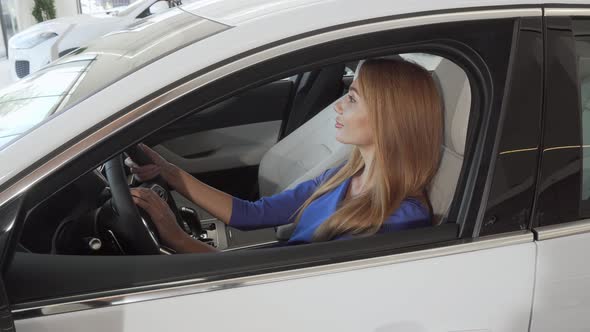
(274, 210)
(410, 214)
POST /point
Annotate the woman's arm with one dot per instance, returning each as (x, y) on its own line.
(217, 203)
(410, 214)
(170, 233)
(266, 212)
(270, 211)
(276, 210)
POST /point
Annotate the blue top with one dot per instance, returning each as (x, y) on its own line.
(280, 209)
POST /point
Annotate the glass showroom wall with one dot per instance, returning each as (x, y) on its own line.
(8, 22)
(92, 7)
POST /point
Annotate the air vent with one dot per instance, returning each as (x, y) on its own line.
(22, 68)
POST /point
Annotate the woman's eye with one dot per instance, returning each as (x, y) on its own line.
(351, 99)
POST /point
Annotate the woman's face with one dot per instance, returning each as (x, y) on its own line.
(352, 121)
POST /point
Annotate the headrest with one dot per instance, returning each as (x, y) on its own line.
(456, 94)
(390, 57)
(461, 119)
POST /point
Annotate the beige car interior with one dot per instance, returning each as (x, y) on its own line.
(312, 148)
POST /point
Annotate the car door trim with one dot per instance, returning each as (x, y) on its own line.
(570, 11)
(561, 230)
(196, 286)
(117, 124)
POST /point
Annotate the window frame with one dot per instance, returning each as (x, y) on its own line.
(584, 203)
(6, 319)
(485, 105)
(561, 146)
(510, 204)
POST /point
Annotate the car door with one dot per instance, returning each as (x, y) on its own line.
(440, 278)
(562, 228)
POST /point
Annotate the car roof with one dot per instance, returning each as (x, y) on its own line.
(237, 12)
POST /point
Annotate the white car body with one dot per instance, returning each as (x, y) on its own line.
(516, 281)
(72, 32)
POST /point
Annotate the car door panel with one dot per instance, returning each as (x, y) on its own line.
(232, 134)
(562, 285)
(484, 290)
(562, 299)
(229, 138)
(266, 103)
(220, 149)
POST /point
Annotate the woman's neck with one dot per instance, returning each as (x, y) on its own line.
(361, 182)
(368, 154)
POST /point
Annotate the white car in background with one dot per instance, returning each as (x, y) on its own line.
(35, 47)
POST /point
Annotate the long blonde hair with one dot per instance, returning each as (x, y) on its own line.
(405, 111)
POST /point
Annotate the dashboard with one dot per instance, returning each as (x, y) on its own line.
(70, 222)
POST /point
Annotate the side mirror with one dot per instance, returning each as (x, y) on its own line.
(159, 7)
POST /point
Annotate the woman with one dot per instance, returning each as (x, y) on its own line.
(392, 115)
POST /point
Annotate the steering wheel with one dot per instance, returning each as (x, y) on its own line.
(138, 234)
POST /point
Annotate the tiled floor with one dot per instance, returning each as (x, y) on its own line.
(4, 73)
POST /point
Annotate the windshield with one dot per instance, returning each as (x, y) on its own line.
(89, 69)
(31, 100)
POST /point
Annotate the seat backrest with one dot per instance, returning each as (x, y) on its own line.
(454, 86)
(303, 155)
(313, 148)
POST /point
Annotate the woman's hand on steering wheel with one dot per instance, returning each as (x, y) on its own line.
(160, 166)
(160, 214)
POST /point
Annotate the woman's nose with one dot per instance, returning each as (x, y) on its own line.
(338, 107)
